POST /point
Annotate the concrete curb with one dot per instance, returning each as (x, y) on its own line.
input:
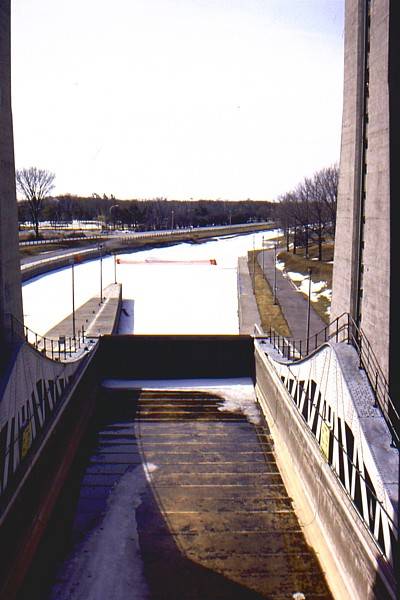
(247, 305)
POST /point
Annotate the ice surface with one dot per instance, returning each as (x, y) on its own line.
(158, 298)
(107, 565)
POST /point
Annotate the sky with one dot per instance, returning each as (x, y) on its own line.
(182, 99)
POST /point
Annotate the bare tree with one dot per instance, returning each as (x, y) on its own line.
(326, 182)
(309, 211)
(35, 184)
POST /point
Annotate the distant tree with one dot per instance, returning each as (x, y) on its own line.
(308, 213)
(35, 184)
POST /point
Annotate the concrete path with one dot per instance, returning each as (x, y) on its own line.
(248, 310)
(92, 319)
(293, 304)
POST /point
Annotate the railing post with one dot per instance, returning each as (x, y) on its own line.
(337, 330)
(349, 328)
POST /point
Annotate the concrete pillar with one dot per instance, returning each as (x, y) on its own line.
(365, 270)
(10, 275)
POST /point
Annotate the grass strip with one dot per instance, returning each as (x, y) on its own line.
(270, 314)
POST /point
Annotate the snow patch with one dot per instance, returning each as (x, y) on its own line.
(238, 394)
(202, 384)
(296, 276)
(241, 399)
(107, 565)
(318, 288)
(149, 468)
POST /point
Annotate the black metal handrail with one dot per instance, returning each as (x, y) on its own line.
(344, 329)
(56, 349)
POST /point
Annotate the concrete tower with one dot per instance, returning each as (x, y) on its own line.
(365, 275)
(10, 274)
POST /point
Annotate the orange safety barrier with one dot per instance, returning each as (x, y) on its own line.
(157, 261)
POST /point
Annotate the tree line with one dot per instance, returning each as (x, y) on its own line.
(307, 214)
(38, 205)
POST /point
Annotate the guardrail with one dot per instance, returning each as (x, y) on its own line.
(62, 240)
(56, 349)
(322, 410)
(343, 329)
(120, 239)
(74, 253)
(142, 234)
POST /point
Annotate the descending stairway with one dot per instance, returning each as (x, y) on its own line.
(186, 500)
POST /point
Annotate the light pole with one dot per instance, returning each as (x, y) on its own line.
(263, 255)
(111, 207)
(73, 298)
(101, 272)
(275, 247)
(254, 264)
(172, 219)
(115, 267)
(308, 311)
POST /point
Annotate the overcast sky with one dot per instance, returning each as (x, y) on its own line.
(183, 99)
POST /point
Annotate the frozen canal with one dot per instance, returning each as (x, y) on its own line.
(186, 296)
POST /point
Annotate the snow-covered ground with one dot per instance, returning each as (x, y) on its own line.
(158, 297)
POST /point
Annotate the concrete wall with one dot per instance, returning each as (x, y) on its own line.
(176, 357)
(345, 270)
(23, 520)
(362, 277)
(354, 566)
(377, 276)
(10, 277)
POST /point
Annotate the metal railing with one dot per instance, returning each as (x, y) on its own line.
(344, 329)
(129, 234)
(59, 349)
(368, 517)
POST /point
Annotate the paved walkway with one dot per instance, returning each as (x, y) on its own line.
(293, 304)
(92, 319)
(248, 311)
